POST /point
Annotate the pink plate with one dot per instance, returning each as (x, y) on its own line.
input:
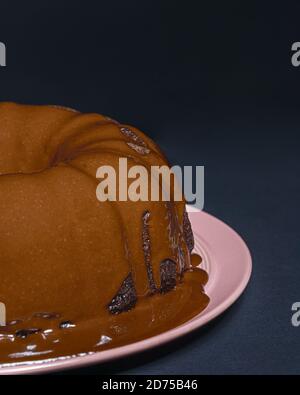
(228, 263)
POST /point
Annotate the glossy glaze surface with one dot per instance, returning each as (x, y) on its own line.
(79, 275)
(52, 335)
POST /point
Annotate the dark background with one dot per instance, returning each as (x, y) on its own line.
(213, 84)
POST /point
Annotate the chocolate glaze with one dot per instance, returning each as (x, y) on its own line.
(76, 272)
(196, 260)
(24, 333)
(176, 237)
(149, 317)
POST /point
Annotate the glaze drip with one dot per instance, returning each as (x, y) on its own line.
(176, 238)
(69, 289)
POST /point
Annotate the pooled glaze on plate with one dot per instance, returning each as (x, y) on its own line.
(51, 335)
(223, 252)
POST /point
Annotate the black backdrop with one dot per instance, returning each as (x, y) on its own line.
(213, 83)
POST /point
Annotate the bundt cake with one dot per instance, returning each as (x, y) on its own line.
(76, 274)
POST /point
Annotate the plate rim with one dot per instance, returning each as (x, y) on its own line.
(69, 362)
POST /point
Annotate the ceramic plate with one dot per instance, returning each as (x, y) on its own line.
(227, 260)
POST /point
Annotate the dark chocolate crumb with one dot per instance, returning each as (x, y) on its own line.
(167, 275)
(125, 299)
(133, 136)
(187, 232)
(139, 149)
(147, 250)
(24, 333)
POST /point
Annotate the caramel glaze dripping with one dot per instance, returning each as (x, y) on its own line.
(53, 334)
(177, 238)
(142, 149)
(126, 298)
